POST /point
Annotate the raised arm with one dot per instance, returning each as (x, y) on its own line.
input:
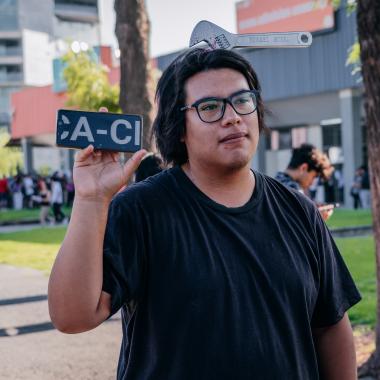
(76, 300)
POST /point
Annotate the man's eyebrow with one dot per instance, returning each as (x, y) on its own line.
(220, 97)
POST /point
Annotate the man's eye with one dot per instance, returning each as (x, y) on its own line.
(242, 100)
(208, 107)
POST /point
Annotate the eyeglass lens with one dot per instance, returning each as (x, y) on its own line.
(213, 109)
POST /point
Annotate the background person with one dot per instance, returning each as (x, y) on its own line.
(45, 201)
(16, 190)
(149, 166)
(57, 197)
(355, 188)
(4, 189)
(306, 165)
(221, 272)
(28, 190)
(365, 192)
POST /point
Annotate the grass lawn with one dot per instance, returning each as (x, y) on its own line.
(26, 214)
(349, 218)
(33, 249)
(359, 256)
(37, 249)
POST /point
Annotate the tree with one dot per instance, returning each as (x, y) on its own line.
(88, 87)
(10, 158)
(368, 24)
(132, 31)
(365, 56)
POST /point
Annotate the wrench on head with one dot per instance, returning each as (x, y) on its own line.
(218, 38)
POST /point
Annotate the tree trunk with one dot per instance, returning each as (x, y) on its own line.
(132, 32)
(368, 20)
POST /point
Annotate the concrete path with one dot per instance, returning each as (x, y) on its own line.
(31, 349)
(25, 227)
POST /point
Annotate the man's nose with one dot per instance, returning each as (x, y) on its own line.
(230, 116)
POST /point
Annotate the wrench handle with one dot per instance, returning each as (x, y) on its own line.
(274, 40)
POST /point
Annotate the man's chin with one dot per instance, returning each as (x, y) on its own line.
(238, 162)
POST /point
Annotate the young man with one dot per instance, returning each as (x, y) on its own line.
(221, 272)
(306, 164)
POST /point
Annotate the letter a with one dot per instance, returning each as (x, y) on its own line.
(82, 122)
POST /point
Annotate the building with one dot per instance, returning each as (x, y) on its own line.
(32, 34)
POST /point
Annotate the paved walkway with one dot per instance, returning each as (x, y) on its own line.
(31, 349)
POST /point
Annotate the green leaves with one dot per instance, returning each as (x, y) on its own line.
(350, 6)
(88, 87)
(10, 157)
(354, 58)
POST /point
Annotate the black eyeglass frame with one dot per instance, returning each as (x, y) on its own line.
(225, 101)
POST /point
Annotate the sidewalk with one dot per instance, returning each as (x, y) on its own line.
(31, 349)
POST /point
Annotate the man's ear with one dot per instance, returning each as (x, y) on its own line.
(304, 167)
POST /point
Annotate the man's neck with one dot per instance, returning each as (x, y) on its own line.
(231, 188)
(294, 175)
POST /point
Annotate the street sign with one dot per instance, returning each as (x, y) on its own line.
(104, 130)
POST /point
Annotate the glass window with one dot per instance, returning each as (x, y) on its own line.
(279, 139)
(8, 15)
(10, 47)
(285, 139)
(331, 135)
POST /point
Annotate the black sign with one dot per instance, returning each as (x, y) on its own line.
(104, 130)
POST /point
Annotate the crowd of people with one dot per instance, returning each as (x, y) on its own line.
(28, 191)
(50, 193)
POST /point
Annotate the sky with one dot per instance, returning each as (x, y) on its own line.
(172, 21)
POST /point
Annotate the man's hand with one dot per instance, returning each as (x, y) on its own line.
(99, 175)
(326, 211)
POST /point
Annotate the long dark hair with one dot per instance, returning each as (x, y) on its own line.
(169, 125)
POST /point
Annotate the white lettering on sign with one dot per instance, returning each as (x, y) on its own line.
(137, 133)
(114, 126)
(82, 122)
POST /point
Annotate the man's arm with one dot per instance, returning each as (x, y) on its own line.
(336, 351)
(76, 300)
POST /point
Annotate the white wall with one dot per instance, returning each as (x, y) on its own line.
(37, 56)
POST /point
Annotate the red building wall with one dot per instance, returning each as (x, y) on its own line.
(34, 111)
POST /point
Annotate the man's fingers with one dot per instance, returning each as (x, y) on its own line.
(133, 163)
(83, 154)
(103, 109)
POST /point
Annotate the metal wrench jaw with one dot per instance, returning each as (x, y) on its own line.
(215, 36)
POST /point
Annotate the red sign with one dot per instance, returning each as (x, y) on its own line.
(258, 16)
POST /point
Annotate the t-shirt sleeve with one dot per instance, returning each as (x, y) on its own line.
(123, 255)
(337, 290)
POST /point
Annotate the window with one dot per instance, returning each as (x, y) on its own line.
(285, 139)
(8, 15)
(332, 136)
(10, 47)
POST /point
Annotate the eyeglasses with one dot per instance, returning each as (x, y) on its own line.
(212, 109)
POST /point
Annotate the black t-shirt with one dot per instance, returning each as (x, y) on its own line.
(210, 292)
